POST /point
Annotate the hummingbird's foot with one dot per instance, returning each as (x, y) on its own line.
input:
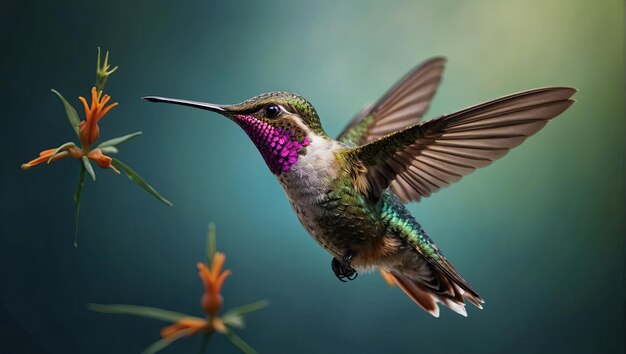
(342, 269)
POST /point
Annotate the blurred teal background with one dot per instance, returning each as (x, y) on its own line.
(539, 234)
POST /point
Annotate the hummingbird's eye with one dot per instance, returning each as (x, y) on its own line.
(272, 111)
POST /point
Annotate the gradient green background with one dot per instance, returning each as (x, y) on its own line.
(540, 234)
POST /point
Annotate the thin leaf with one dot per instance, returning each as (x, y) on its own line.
(238, 342)
(118, 140)
(88, 167)
(160, 345)
(211, 242)
(140, 181)
(242, 310)
(234, 316)
(72, 116)
(109, 150)
(141, 311)
(77, 196)
(164, 342)
(234, 320)
(60, 149)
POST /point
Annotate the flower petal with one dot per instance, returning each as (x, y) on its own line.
(104, 100)
(61, 148)
(85, 107)
(204, 274)
(94, 98)
(101, 159)
(220, 281)
(218, 262)
(106, 110)
(44, 156)
(191, 325)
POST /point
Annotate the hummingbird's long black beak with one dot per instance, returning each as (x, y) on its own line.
(206, 106)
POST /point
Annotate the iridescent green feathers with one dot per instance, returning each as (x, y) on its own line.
(290, 101)
(388, 148)
(438, 283)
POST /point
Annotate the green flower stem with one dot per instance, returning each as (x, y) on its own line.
(205, 342)
(77, 196)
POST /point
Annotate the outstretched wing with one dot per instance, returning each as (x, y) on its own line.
(402, 106)
(425, 157)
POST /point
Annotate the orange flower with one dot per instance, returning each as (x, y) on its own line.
(183, 325)
(213, 279)
(88, 129)
(101, 159)
(212, 301)
(47, 155)
(88, 133)
(186, 326)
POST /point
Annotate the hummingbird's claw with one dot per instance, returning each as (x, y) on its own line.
(342, 269)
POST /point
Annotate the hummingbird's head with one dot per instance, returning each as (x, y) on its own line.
(281, 124)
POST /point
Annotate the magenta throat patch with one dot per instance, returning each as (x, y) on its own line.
(278, 146)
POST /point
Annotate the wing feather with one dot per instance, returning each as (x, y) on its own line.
(402, 106)
(421, 159)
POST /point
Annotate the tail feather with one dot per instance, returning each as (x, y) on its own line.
(417, 293)
(448, 293)
(476, 302)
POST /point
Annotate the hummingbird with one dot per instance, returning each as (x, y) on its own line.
(349, 193)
